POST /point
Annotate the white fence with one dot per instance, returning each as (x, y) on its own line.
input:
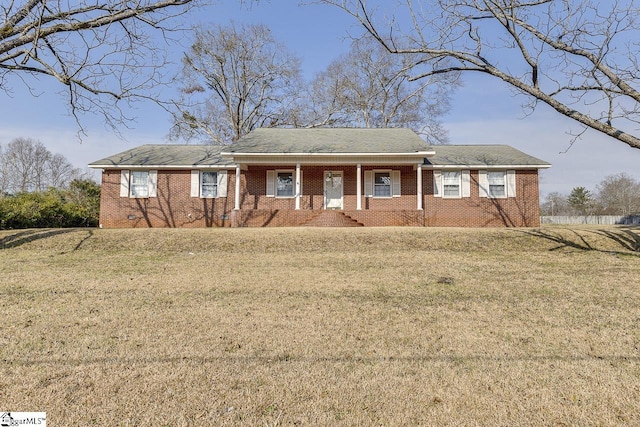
(592, 219)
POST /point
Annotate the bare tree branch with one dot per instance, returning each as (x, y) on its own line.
(233, 81)
(369, 87)
(101, 51)
(579, 57)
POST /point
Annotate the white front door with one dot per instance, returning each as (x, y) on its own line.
(332, 190)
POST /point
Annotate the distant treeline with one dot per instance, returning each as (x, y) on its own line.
(42, 189)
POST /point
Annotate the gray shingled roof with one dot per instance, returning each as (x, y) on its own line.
(328, 141)
(167, 156)
(482, 155)
(321, 141)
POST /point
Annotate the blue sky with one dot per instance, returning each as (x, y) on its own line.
(484, 111)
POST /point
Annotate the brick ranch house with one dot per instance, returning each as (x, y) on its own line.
(339, 177)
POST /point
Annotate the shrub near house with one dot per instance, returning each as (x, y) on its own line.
(76, 206)
(292, 177)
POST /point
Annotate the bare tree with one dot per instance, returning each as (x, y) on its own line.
(18, 164)
(580, 57)
(4, 182)
(27, 165)
(555, 203)
(38, 157)
(61, 172)
(235, 80)
(619, 195)
(368, 87)
(101, 51)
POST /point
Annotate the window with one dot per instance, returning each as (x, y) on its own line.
(497, 184)
(284, 184)
(382, 184)
(451, 183)
(208, 184)
(139, 185)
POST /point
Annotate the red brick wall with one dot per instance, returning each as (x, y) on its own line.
(174, 207)
(474, 211)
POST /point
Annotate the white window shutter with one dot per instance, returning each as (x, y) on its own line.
(395, 183)
(124, 183)
(437, 183)
(483, 183)
(195, 183)
(368, 183)
(153, 183)
(271, 183)
(223, 178)
(511, 183)
(466, 183)
(301, 182)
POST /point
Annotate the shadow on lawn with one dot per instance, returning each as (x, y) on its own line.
(627, 238)
(22, 237)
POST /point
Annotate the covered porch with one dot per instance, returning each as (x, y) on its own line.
(342, 187)
(292, 194)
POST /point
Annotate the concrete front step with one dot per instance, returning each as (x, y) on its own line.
(332, 219)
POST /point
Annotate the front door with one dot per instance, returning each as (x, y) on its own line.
(332, 190)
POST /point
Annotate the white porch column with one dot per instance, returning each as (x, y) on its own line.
(298, 186)
(237, 201)
(419, 186)
(359, 187)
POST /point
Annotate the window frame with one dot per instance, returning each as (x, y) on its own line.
(490, 193)
(292, 172)
(458, 184)
(132, 193)
(214, 184)
(375, 185)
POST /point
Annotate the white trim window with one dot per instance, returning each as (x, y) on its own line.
(382, 183)
(285, 184)
(498, 184)
(208, 184)
(138, 184)
(454, 184)
(451, 183)
(281, 183)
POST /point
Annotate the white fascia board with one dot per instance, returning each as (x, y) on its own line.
(415, 153)
(164, 167)
(486, 166)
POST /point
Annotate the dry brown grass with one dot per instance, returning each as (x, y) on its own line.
(322, 326)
